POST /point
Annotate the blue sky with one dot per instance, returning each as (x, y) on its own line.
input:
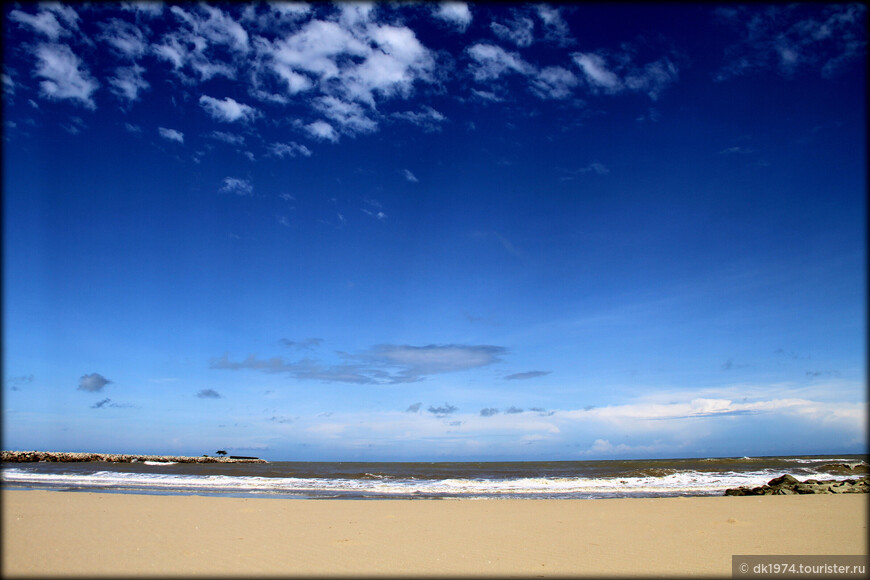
(435, 231)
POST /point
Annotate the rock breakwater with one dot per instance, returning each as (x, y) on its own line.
(32, 456)
(789, 485)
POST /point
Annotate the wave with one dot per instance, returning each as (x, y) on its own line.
(649, 485)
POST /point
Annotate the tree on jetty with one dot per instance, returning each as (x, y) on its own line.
(221, 452)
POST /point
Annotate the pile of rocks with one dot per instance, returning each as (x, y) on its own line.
(30, 456)
(788, 485)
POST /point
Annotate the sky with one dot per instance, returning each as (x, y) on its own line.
(424, 232)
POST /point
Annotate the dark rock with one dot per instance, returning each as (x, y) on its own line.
(788, 485)
(30, 456)
(783, 480)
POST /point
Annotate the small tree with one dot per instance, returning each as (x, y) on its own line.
(221, 452)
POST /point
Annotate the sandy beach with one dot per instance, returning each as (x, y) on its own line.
(91, 534)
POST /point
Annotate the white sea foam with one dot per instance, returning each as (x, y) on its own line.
(688, 483)
(160, 462)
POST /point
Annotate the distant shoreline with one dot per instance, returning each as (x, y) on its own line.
(62, 456)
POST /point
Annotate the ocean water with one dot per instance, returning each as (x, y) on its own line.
(424, 480)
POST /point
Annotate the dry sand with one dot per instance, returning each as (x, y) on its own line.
(89, 534)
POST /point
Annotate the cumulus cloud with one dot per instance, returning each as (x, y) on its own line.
(128, 82)
(413, 408)
(228, 110)
(489, 412)
(349, 116)
(597, 73)
(171, 134)
(93, 383)
(291, 149)
(455, 13)
(410, 176)
(65, 75)
(199, 44)
(554, 82)
(125, 38)
(491, 61)
(208, 394)
(229, 138)
(322, 130)
(427, 118)
(555, 27)
(527, 375)
(620, 74)
(51, 20)
(519, 30)
(237, 186)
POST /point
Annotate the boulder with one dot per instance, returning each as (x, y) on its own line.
(789, 485)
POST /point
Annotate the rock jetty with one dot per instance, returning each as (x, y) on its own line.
(789, 485)
(31, 456)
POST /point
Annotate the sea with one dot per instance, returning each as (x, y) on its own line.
(432, 480)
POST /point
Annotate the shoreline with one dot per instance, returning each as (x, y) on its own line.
(47, 533)
(69, 457)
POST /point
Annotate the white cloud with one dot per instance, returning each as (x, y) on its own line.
(227, 110)
(428, 118)
(8, 85)
(518, 31)
(398, 60)
(597, 73)
(410, 176)
(322, 130)
(356, 14)
(652, 78)
(150, 9)
(290, 10)
(171, 134)
(128, 82)
(127, 39)
(237, 186)
(789, 38)
(316, 47)
(230, 138)
(554, 82)
(214, 25)
(350, 116)
(206, 29)
(43, 22)
(491, 61)
(172, 50)
(65, 76)
(555, 26)
(295, 81)
(486, 95)
(455, 13)
(291, 149)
